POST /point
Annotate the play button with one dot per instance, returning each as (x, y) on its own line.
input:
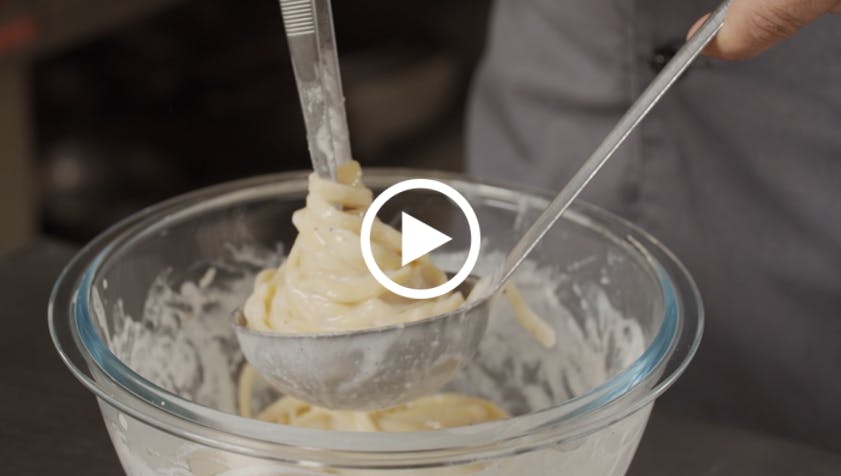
(419, 238)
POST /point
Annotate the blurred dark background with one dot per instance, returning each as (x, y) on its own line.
(111, 106)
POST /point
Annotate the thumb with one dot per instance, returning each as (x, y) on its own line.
(753, 26)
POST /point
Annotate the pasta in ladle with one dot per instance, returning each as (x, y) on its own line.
(325, 286)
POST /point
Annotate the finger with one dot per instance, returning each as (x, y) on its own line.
(708, 50)
(753, 26)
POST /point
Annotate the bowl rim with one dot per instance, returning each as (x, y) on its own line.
(625, 393)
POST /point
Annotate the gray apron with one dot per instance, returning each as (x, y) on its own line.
(738, 171)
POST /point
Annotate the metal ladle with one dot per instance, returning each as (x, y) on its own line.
(386, 366)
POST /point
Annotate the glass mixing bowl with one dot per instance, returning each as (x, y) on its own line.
(141, 316)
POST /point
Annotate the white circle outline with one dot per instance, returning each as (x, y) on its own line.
(472, 253)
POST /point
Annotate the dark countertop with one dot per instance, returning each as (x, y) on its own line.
(50, 425)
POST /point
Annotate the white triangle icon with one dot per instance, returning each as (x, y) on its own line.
(418, 238)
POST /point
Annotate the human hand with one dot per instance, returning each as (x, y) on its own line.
(753, 26)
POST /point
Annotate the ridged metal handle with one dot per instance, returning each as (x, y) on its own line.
(309, 30)
(298, 17)
(641, 107)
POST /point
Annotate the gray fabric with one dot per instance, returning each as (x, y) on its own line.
(738, 171)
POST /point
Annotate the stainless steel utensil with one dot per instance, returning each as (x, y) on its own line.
(382, 367)
(312, 46)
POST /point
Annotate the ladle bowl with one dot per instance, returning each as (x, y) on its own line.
(370, 369)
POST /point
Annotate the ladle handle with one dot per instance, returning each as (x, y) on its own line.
(312, 46)
(652, 94)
